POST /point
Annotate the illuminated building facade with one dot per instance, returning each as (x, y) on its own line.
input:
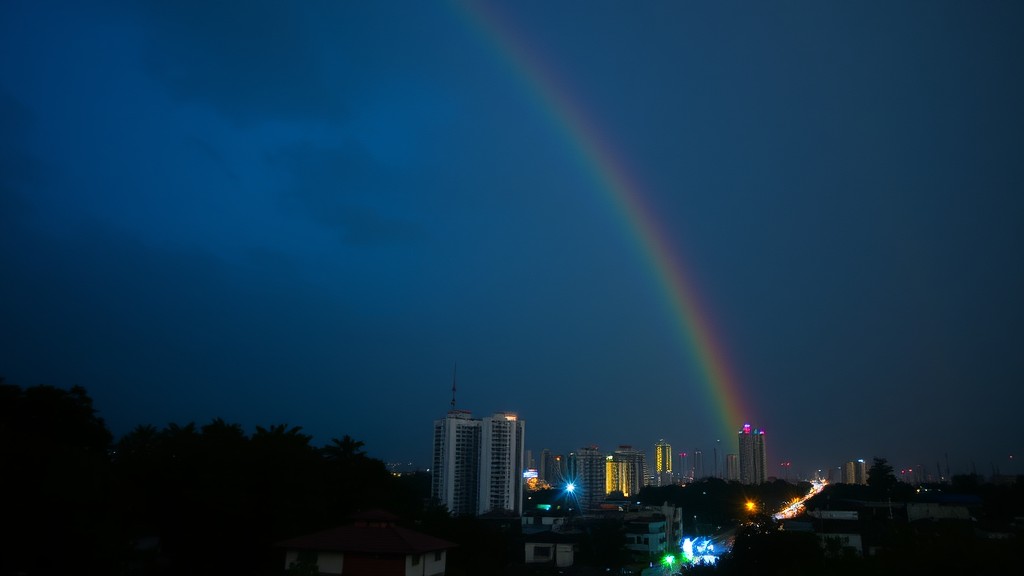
(855, 472)
(663, 463)
(625, 471)
(478, 464)
(752, 455)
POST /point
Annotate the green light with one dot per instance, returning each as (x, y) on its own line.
(668, 560)
(544, 506)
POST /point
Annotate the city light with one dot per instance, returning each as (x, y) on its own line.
(796, 506)
(699, 551)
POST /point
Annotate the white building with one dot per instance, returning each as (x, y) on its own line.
(455, 476)
(501, 463)
(478, 464)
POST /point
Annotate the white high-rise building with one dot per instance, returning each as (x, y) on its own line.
(478, 464)
(455, 477)
(501, 463)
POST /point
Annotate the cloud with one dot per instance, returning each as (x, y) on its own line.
(249, 60)
(346, 190)
(17, 167)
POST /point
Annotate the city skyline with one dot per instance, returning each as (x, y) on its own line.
(624, 223)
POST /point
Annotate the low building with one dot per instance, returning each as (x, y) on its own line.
(556, 549)
(543, 521)
(371, 545)
(646, 535)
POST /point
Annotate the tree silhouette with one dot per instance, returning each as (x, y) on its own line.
(344, 450)
(881, 478)
(55, 481)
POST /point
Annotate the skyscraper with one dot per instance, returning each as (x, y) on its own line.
(753, 458)
(455, 476)
(663, 463)
(586, 468)
(478, 464)
(625, 471)
(732, 467)
(552, 468)
(855, 472)
(501, 463)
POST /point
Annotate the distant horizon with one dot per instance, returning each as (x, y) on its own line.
(423, 464)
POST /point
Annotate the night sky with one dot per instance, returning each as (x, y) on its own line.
(309, 212)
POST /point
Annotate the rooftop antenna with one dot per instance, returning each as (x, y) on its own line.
(455, 368)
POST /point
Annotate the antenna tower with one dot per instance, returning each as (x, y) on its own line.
(455, 368)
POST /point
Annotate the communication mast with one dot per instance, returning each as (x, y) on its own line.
(455, 368)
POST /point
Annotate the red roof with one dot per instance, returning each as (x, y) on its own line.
(371, 538)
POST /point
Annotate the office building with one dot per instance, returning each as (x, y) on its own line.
(753, 457)
(662, 463)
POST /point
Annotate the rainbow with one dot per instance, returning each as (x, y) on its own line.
(607, 167)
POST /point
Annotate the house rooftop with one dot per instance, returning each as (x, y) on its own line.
(372, 532)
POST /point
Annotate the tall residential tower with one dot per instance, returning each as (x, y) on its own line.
(625, 470)
(455, 476)
(663, 463)
(478, 464)
(501, 463)
(753, 458)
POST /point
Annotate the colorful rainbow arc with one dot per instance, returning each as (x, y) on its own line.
(595, 153)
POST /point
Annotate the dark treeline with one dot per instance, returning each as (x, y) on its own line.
(183, 499)
(213, 499)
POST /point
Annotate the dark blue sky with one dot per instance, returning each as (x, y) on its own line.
(306, 212)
